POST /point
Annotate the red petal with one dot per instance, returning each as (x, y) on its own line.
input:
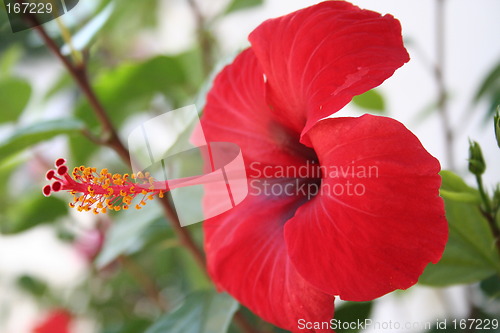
(247, 257)
(58, 321)
(236, 111)
(245, 248)
(316, 59)
(363, 246)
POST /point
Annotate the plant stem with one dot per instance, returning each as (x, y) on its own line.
(203, 37)
(78, 72)
(439, 77)
(483, 194)
(494, 229)
(488, 213)
(112, 140)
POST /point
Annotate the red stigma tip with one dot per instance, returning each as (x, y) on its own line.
(56, 186)
(47, 190)
(62, 170)
(50, 174)
(59, 162)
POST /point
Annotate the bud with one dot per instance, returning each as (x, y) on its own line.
(497, 125)
(477, 165)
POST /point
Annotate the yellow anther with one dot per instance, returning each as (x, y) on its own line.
(100, 205)
(104, 210)
(137, 207)
(161, 195)
(143, 203)
(132, 189)
(125, 207)
(140, 175)
(144, 192)
(95, 211)
(123, 193)
(150, 197)
(90, 190)
(110, 191)
(117, 208)
(72, 205)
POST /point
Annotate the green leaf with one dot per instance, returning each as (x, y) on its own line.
(36, 133)
(490, 89)
(9, 58)
(193, 275)
(489, 83)
(470, 255)
(14, 96)
(32, 285)
(126, 236)
(87, 33)
(237, 5)
(31, 212)
(81, 149)
(460, 196)
(370, 100)
(128, 325)
(7, 167)
(351, 312)
(63, 82)
(491, 286)
(129, 88)
(201, 312)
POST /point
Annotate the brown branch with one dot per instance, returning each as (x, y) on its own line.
(110, 136)
(112, 140)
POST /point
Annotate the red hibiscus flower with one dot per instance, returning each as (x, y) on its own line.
(366, 218)
(57, 321)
